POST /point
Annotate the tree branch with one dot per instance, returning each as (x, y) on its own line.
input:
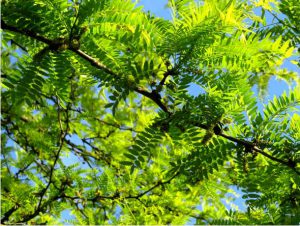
(117, 195)
(83, 152)
(159, 183)
(27, 218)
(26, 32)
(63, 134)
(152, 95)
(8, 214)
(291, 164)
(19, 45)
(94, 62)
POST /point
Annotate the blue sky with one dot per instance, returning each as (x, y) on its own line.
(158, 7)
(276, 87)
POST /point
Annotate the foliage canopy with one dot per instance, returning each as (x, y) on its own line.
(99, 117)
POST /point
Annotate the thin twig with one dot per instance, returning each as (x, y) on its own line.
(63, 135)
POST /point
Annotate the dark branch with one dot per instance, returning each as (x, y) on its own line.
(252, 146)
(63, 134)
(117, 195)
(100, 154)
(19, 45)
(94, 62)
(153, 96)
(9, 213)
(53, 43)
(26, 32)
(43, 207)
(23, 169)
(166, 74)
(159, 183)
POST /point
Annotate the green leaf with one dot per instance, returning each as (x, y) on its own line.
(129, 156)
(126, 163)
